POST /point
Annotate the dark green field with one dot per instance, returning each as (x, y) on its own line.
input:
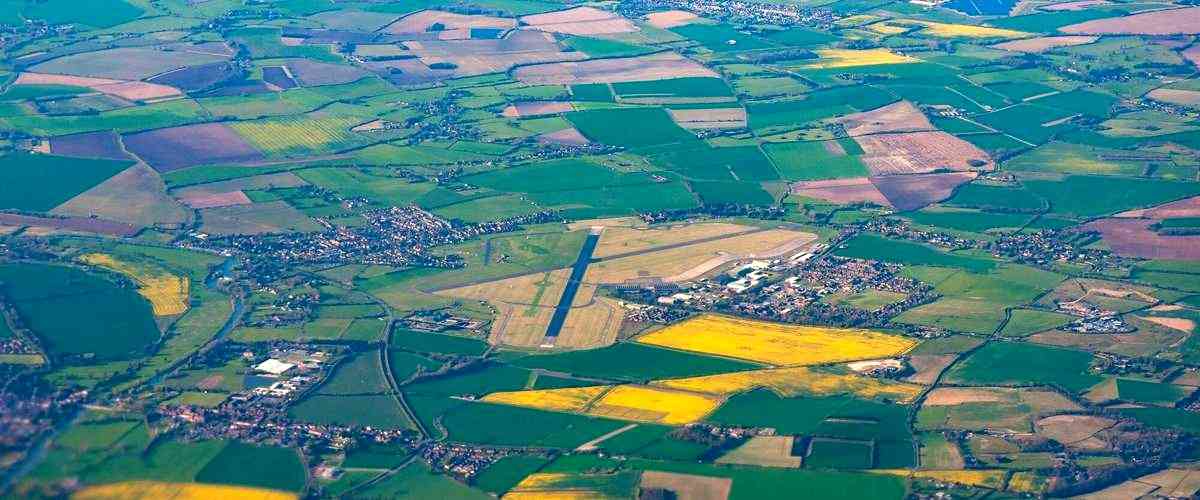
(257, 466)
(42, 182)
(878, 248)
(79, 314)
(1018, 363)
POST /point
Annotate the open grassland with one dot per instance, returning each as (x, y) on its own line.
(648, 404)
(623, 239)
(774, 343)
(689, 262)
(849, 58)
(166, 292)
(797, 381)
(151, 490)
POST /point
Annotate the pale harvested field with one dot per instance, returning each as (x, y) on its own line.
(776, 343)
(537, 108)
(1182, 324)
(1075, 431)
(951, 396)
(619, 240)
(567, 136)
(1192, 54)
(1189, 98)
(1188, 207)
(156, 490)
(473, 57)
(1174, 483)
(1124, 491)
(1042, 44)
(420, 22)
(764, 451)
(688, 486)
(129, 90)
(135, 196)
(582, 21)
(928, 367)
(920, 152)
(629, 69)
(692, 261)
(204, 200)
(1161, 22)
(715, 118)
(541, 289)
(900, 116)
(841, 191)
(1075, 5)
(949, 30)
(670, 18)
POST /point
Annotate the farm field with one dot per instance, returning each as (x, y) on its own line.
(537, 249)
(783, 345)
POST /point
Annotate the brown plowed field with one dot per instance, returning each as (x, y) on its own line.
(1160, 22)
(1135, 238)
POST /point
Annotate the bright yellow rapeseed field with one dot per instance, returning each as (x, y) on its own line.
(167, 293)
(945, 30)
(981, 478)
(555, 486)
(797, 381)
(887, 29)
(556, 495)
(775, 343)
(571, 399)
(847, 58)
(153, 490)
(648, 404)
(1026, 482)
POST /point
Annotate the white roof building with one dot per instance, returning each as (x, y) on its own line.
(274, 367)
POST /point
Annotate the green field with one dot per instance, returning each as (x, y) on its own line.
(257, 466)
(807, 161)
(878, 248)
(629, 127)
(1088, 196)
(1010, 363)
(1024, 322)
(41, 182)
(77, 314)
